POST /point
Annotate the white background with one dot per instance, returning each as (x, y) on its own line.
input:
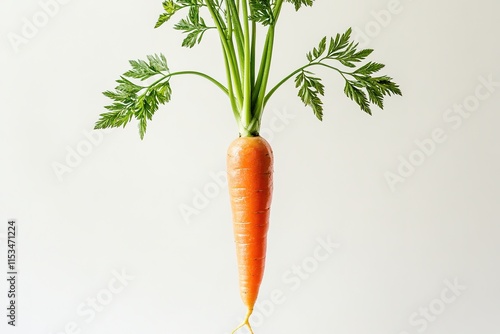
(118, 209)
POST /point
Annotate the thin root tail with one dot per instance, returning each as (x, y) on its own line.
(245, 322)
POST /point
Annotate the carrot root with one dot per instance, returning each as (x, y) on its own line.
(245, 322)
(250, 183)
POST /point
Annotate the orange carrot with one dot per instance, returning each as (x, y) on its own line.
(250, 180)
(250, 158)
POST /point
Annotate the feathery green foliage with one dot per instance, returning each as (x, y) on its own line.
(299, 3)
(262, 11)
(194, 26)
(360, 85)
(237, 23)
(135, 101)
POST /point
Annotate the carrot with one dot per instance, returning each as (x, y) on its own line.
(250, 181)
(147, 85)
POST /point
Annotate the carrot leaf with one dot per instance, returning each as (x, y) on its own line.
(194, 26)
(310, 90)
(360, 84)
(246, 86)
(131, 100)
(300, 3)
(262, 12)
(170, 8)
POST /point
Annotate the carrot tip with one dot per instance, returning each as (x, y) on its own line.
(245, 322)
